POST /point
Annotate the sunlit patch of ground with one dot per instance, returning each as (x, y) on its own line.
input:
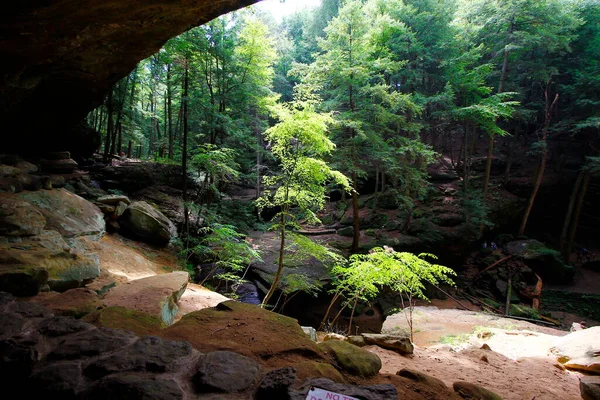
(448, 347)
(124, 260)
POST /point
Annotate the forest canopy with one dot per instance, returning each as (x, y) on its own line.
(404, 82)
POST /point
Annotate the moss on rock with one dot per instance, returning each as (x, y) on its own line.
(118, 317)
(351, 358)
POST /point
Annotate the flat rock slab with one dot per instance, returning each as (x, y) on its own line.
(225, 371)
(156, 295)
(113, 199)
(579, 350)
(398, 343)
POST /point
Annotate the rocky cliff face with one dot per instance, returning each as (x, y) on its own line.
(61, 57)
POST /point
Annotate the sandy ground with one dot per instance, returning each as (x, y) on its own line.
(518, 366)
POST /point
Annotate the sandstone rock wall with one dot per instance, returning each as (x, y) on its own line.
(61, 57)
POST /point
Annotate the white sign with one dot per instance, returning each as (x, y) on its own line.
(320, 394)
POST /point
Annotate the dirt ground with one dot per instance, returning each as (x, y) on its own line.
(448, 347)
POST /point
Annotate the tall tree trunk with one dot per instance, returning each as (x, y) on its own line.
(98, 125)
(540, 175)
(578, 208)
(108, 126)
(355, 215)
(509, 161)
(113, 145)
(184, 101)
(565, 228)
(465, 146)
(129, 148)
(131, 103)
(490, 154)
(488, 166)
(120, 138)
(169, 111)
(259, 144)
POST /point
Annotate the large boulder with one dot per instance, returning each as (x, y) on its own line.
(543, 260)
(225, 371)
(155, 295)
(18, 217)
(29, 263)
(65, 212)
(351, 358)
(8, 171)
(148, 354)
(417, 376)
(442, 171)
(579, 350)
(147, 223)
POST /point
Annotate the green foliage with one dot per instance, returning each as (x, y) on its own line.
(226, 250)
(486, 113)
(476, 209)
(297, 142)
(300, 249)
(367, 274)
(403, 272)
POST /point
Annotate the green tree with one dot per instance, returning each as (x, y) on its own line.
(371, 117)
(367, 274)
(525, 39)
(298, 142)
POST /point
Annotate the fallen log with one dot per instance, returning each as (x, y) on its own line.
(494, 265)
